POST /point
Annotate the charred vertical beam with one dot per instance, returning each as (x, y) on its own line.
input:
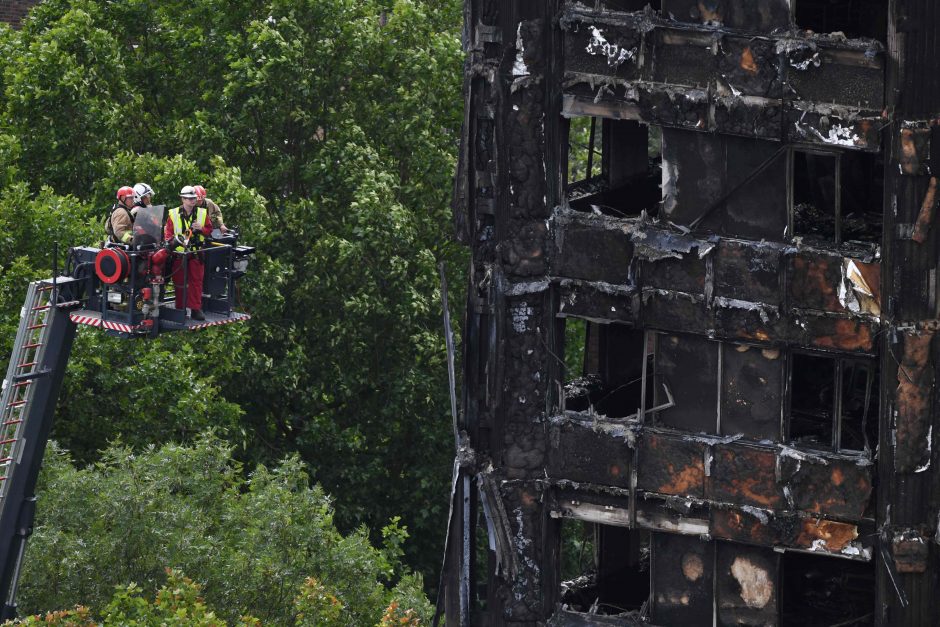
(908, 491)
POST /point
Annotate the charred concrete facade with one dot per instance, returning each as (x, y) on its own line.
(749, 264)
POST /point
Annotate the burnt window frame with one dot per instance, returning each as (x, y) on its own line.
(602, 176)
(563, 377)
(640, 567)
(791, 189)
(650, 358)
(840, 210)
(839, 367)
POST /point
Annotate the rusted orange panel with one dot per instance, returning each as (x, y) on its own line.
(745, 475)
(842, 334)
(915, 150)
(815, 280)
(582, 454)
(670, 465)
(908, 159)
(751, 324)
(747, 61)
(925, 217)
(826, 535)
(910, 552)
(840, 488)
(740, 526)
(709, 11)
(914, 400)
(748, 271)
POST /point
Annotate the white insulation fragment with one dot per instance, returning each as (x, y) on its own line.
(614, 53)
(929, 451)
(519, 68)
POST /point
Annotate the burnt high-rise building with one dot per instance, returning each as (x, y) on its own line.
(699, 364)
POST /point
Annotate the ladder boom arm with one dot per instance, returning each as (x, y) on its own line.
(27, 407)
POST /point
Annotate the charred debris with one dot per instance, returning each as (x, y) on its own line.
(699, 371)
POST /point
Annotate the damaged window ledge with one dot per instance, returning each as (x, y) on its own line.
(804, 532)
(632, 427)
(576, 16)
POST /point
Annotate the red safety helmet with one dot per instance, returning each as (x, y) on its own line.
(200, 191)
(125, 191)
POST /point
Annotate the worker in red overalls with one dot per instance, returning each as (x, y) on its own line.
(186, 229)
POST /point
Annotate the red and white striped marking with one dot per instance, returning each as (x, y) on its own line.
(89, 320)
(236, 317)
(96, 321)
(119, 326)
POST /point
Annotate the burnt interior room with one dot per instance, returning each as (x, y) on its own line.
(821, 592)
(604, 367)
(605, 568)
(854, 18)
(837, 196)
(614, 167)
(833, 403)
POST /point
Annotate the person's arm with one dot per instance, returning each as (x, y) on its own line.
(215, 215)
(168, 232)
(122, 226)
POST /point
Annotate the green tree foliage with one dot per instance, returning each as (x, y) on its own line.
(179, 603)
(66, 100)
(252, 542)
(327, 131)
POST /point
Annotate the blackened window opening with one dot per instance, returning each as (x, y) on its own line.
(838, 197)
(859, 408)
(610, 379)
(862, 196)
(815, 196)
(822, 591)
(686, 376)
(624, 5)
(604, 567)
(621, 176)
(833, 403)
(854, 18)
(812, 400)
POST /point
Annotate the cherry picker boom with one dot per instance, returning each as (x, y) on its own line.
(118, 289)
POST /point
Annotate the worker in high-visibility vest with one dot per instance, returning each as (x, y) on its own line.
(186, 229)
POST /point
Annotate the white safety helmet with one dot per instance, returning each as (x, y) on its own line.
(188, 192)
(142, 189)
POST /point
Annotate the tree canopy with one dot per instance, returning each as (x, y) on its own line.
(251, 540)
(326, 130)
